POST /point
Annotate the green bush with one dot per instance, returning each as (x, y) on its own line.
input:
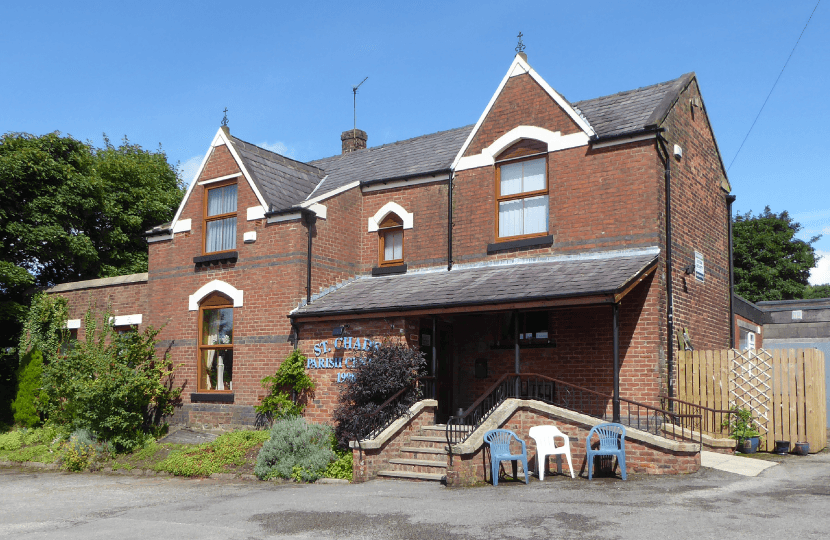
(11, 441)
(80, 451)
(382, 373)
(40, 444)
(29, 379)
(296, 450)
(214, 457)
(288, 389)
(341, 467)
(111, 384)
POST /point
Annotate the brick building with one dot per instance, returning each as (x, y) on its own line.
(550, 237)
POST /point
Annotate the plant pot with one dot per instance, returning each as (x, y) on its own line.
(801, 448)
(782, 447)
(749, 445)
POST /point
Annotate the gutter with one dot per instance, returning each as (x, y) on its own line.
(290, 210)
(404, 177)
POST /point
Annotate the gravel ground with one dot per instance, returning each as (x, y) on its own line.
(790, 500)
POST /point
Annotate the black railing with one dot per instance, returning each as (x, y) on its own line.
(712, 421)
(571, 397)
(397, 406)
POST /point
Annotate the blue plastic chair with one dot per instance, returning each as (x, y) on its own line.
(499, 441)
(611, 443)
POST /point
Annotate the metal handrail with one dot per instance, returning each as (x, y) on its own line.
(385, 414)
(567, 396)
(712, 420)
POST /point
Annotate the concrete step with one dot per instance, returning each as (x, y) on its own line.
(429, 477)
(418, 463)
(423, 450)
(428, 439)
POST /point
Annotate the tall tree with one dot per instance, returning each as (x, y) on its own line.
(69, 212)
(770, 262)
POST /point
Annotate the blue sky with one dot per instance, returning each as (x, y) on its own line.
(162, 72)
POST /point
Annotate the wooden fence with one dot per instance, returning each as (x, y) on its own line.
(784, 388)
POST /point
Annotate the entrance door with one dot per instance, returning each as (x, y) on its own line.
(443, 370)
(443, 376)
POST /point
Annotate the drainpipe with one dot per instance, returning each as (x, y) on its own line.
(729, 200)
(669, 297)
(449, 222)
(310, 219)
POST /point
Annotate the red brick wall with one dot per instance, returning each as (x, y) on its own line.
(337, 243)
(699, 223)
(759, 339)
(270, 272)
(127, 299)
(327, 388)
(522, 102)
(598, 200)
(425, 244)
(640, 457)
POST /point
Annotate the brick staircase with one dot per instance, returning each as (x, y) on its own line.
(424, 457)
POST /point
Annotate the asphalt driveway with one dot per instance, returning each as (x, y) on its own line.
(788, 501)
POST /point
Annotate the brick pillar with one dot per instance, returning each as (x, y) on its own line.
(353, 139)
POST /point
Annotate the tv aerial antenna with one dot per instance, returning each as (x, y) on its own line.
(354, 90)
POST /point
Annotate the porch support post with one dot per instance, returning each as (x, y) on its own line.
(616, 324)
(434, 359)
(516, 346)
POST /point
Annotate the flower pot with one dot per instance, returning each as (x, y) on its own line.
(749, 445)
(782, 447)
(801, 448)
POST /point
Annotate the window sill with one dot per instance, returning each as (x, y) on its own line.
(217, 258)
(537, 242)
(389, 270)
(215, 397)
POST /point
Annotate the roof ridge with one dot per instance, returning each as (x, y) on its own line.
(233, 137)
(363, 150)
(639, 89)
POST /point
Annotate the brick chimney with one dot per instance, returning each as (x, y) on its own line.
(353, 139)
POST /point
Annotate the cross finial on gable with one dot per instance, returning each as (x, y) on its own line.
(520, 48)
(225, 118)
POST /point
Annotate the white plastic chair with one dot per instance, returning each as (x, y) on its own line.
(545, 437)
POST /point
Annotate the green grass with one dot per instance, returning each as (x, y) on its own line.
(233, 452)
(40, 444)
(226, 454)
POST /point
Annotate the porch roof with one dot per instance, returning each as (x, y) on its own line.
(531, 283)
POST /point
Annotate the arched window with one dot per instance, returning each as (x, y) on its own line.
(215, 370)
(390, 247)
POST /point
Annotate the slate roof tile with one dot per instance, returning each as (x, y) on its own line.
(420, 155)
(633, 110)
(283, 182)
(497, 284)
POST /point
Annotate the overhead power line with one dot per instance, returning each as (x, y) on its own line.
(773, 87)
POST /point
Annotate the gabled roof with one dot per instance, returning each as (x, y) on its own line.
(633, 110)
(283, 182)
(606, 274)
(412, 157)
